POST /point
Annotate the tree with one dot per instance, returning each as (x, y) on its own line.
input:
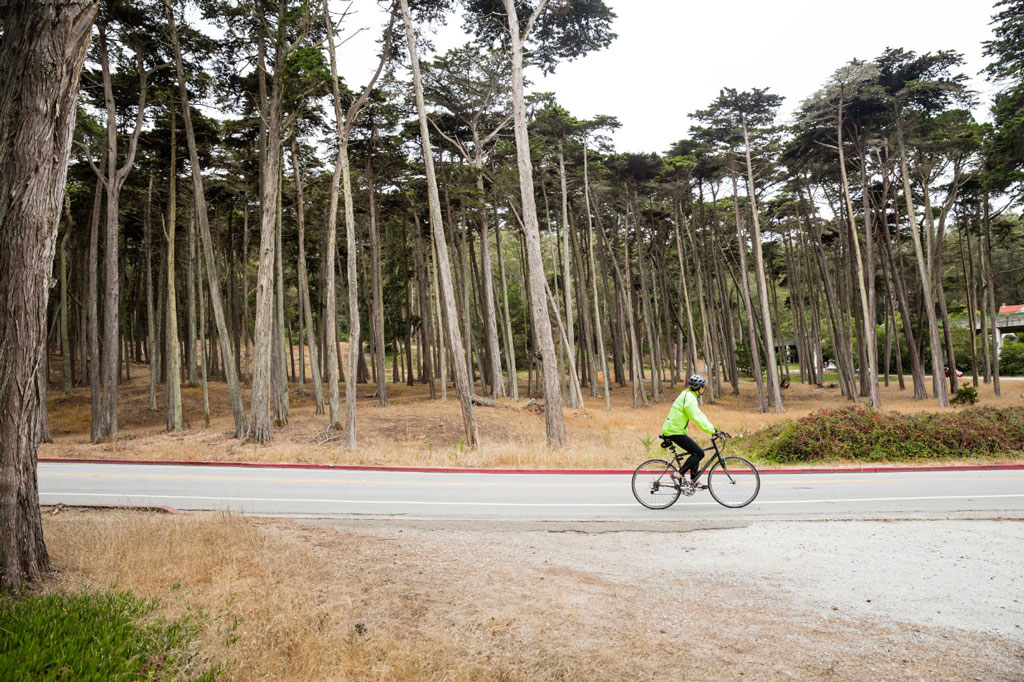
(463, 387)
(571, 32)
(342, 172)
(917, 87)
(751, 112)
(203, 223)
(42, 49)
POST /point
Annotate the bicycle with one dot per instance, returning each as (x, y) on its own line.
(732, 481)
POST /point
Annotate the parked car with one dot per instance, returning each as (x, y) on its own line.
(958, 372)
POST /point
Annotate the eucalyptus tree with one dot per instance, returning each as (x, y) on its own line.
(751, 113)
(563, 31)
(42, 50)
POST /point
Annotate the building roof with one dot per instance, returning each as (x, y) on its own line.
(1008, 309)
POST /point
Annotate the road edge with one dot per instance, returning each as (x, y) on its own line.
(469, 470)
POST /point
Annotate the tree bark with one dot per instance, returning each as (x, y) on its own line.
(172, 352)
(554, 417)
(41, 55)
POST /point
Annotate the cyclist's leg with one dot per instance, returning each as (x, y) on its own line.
(692, 463)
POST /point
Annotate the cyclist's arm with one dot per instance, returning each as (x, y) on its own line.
(693, 411)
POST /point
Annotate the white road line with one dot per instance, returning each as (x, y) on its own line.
(508, 504)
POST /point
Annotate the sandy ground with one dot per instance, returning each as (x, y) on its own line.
(913, 600)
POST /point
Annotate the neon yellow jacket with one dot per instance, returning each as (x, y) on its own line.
(684, 409)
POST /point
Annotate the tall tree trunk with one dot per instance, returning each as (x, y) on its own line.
(279, 363)
(554, 418)
(462, 380)
(147, 226)
(868, 337)
(260, 428)
(755, 356)
(41, 55)
(942, 394)
(172, 353)
(489, 313)
(212, 270)
(66, 355)
(318, 389)
(987, 255)
(190, 339)
(899, 289)
(377, 300)
(602, 353)
(775, 394)
(426, 315)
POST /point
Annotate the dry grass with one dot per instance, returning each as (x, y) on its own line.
(413, 430)
(312, 604)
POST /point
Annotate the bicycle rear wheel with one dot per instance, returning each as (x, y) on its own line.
(733, 482)
(653, 486)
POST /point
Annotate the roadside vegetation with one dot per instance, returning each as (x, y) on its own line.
(108, 635)
(860, 435)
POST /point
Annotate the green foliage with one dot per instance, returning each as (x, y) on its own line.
(562, 31)
(872, 436)
(965, 395)
(101, 636)
(1011, 360)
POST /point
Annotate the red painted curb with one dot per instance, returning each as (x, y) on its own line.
(457, 470)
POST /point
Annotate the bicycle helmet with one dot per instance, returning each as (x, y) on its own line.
(696, 381)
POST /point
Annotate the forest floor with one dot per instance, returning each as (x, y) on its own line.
(360, 600)
(413, 430)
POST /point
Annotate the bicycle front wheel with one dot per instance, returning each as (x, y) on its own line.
(653, 486)
(734, 482)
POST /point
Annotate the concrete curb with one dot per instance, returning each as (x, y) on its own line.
(458, 470)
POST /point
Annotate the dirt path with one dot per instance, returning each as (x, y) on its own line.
(834, 600)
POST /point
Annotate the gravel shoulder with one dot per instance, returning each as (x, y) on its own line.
(865, 599)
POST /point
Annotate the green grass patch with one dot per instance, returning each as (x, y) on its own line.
(108, 636)
(862, 435)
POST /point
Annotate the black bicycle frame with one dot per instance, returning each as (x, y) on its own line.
(678, 457)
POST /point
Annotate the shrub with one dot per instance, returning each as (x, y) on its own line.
(868, 435)
(1011, 359)
(94, 636)
(965, 395)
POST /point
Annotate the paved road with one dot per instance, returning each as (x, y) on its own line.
(525, 497)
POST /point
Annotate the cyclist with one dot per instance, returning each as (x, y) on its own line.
(685, 409)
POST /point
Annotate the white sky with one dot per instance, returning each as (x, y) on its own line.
(672, 57)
